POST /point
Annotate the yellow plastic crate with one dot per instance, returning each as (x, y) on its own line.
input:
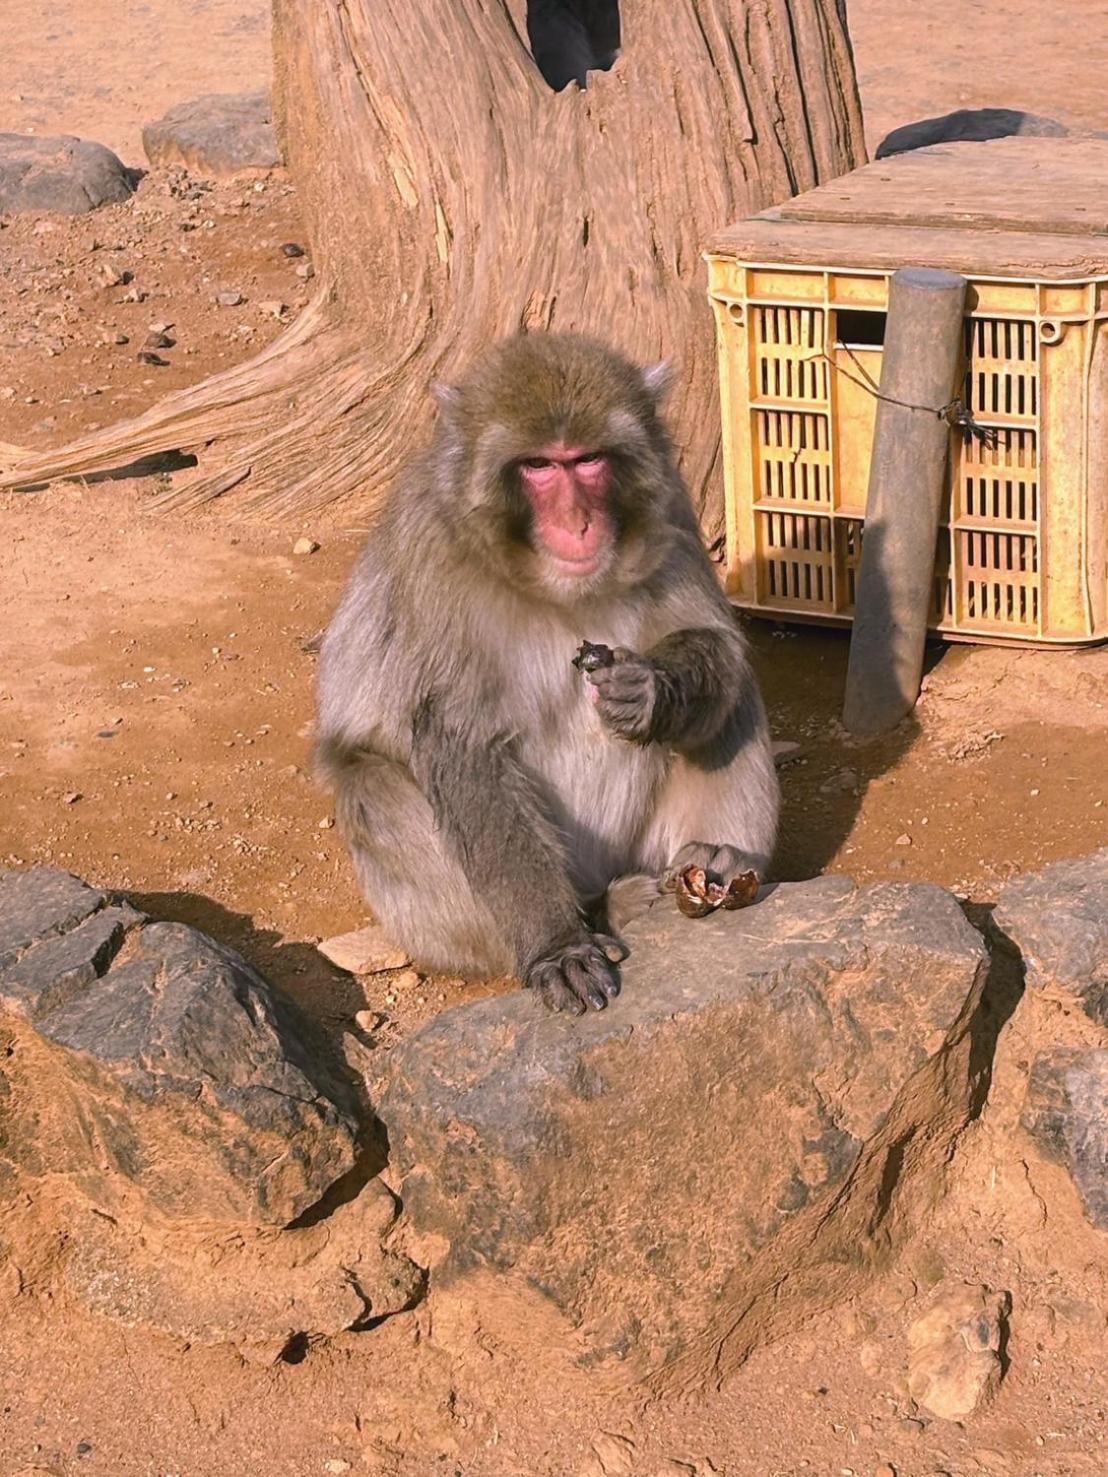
(800, 295)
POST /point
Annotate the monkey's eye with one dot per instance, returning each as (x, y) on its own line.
(536, 463)
(591, 459)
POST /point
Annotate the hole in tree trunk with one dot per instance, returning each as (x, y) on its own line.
(571, 38)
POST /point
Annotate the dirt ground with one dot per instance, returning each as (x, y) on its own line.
(155, 712)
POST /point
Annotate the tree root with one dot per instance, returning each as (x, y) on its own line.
(303, 424)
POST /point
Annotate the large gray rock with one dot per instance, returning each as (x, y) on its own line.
(218, 134)
(756, 1110)
(1066, 1113)
(1058, 919)
(145, 1057)
(968, 125)
(65, 175)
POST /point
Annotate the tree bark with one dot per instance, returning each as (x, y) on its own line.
(450, 197)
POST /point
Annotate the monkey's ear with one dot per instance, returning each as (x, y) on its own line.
(659, 379)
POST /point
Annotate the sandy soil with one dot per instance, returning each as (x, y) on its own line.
(103, 68)
(155, 710)
(918, 61)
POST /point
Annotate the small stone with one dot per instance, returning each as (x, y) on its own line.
(109, 276)
(612, 1456)
(367, 1020)
(326, 823)
(409, 979)
(785, 751)
(160, 327)
(291, 248)
(144, 356)
(954, 1351)
(366, 951)
(336, 1465)
(229, 299)
(133, 295)
(886, 1469)
(71, 797)
(305, 270)
(904, 839)
(844, 782)
(305, 546)
(273, 308)
(158, 341)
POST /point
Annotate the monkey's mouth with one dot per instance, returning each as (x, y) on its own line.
(574, 568)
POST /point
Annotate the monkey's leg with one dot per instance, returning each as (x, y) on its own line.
(493, 819)
(716, 822)
(420, 894)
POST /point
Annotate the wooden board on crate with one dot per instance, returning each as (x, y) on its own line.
(1014, 206)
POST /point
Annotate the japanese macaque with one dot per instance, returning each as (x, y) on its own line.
(534, 694)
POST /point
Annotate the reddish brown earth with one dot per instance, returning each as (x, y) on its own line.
(155, 710)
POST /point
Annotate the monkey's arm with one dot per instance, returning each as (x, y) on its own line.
(681, 693)
(492, 819)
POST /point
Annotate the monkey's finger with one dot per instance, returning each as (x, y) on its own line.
(556, 994)
(623, 706)
(583, 984)
(616, 950)
(621, 679)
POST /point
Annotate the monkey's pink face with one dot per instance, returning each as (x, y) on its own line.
(568, 488)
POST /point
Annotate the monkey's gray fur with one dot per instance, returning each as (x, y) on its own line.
(490, 794)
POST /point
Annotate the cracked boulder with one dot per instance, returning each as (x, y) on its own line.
(153, 1069)
(1066, 1113)
(1058, 919)
(755, 1118)
(65, 175)
(216, 135)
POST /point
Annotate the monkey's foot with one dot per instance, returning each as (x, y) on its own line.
(698, 894)
(580, 976)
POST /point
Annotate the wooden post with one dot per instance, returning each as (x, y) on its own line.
(923, 346)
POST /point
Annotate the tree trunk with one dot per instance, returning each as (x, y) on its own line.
(451, 196)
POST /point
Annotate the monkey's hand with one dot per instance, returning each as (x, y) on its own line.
(627, 695)
(578, 975)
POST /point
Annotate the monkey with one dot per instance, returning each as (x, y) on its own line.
(502, 804)
(571, 38)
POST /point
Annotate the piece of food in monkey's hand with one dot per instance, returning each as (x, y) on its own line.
(692, 892)
(741, 891)
(591, 656)
(697, 895)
